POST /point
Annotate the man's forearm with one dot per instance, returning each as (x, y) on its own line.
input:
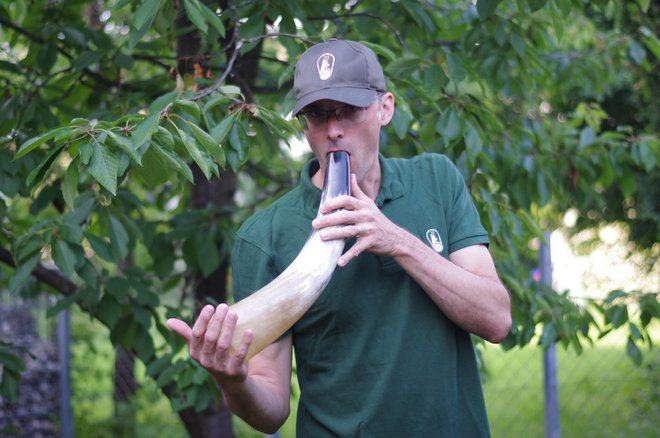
(258, 404)
(262, 399)
(466, 289)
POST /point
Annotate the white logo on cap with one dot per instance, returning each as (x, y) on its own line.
(325, 65)
(434, 239)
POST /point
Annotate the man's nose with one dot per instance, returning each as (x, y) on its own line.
(334, 127)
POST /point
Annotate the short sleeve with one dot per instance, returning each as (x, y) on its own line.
(465, 228)
(252, 268)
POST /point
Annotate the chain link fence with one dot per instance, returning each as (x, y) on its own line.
(601, 392)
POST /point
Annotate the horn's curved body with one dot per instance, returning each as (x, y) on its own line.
(273, 309)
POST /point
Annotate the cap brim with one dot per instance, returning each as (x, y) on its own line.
(360, 97)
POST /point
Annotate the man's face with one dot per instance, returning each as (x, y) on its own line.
(357, 133)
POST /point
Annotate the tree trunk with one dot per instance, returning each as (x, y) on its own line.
(215, 421)
(125, 384)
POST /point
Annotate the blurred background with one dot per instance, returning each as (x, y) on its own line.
(136, 136)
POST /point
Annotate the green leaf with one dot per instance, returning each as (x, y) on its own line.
(239, 142)
(213, 19)
(435, 79)
(103, 167)
(71, 232)
(163, 137)
(449, 124)
(86, 59)
(43, 170)
(126, 145)
(651, 41)
(633, 351)
(22, 273)
(564, 6)
(204, 139)
(170, 373)
(146, 12)
(10, 361)
(644, 5)
(518, 43)
(636, 52)
(70, 183)
(173, 161)
(549, 335)
(215, 100)
(83, 207)
(208, 258)
(108, 310)
(144, 130)
(37, 141)
(486, 8)
(161, 102)
(124, 332)
(100, 246)
(46, 58)
(9, 386)
(222, 129)
(457, 71)
(535, 5)
(86, 151)
(403, 66)
(195, 15)
(618, 316)
(202, 160)
(64, 257)
(118, 237)
(587, 137)
(472, 139)
(158, 366)
(188, 106)
(557, 20)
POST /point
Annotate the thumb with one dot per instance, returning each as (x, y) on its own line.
(356, 191)
(180, 328)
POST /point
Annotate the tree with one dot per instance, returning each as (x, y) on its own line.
(130, 136)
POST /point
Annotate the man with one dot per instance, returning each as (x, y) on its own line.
(386, 349)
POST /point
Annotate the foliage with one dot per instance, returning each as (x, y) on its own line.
(545, 106)
(147, 412)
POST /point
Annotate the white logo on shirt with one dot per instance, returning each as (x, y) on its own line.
(434, 239)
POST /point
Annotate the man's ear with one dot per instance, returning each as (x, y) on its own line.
(387, 108)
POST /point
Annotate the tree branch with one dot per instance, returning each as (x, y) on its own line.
(389, 25)
(51, 277)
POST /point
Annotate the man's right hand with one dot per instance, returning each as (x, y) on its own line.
(209, 343)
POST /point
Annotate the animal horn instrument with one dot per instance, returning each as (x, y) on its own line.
(273, 309)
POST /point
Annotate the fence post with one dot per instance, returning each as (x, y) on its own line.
(63, 352)
(550, 386)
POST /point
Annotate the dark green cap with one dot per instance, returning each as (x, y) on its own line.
(340, 70)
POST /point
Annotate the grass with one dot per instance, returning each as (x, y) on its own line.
(601, 393)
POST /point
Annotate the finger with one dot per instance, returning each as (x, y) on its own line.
(180, 328)
(238, 358)
(224, 340)
(356, 191)
(349, 255)
(333, 206)
(199, 329)
(213, 329)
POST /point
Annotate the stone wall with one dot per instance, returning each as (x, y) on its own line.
(35, 413)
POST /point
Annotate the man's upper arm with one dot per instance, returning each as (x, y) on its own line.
(476, 259)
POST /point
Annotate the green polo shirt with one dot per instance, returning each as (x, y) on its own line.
(375, 357)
